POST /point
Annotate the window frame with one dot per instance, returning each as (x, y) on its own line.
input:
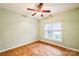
(53, 31)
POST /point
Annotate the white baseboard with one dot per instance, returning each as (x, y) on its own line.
(16, 46)
(49, 41)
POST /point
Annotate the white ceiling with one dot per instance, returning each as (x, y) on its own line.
(54, 7)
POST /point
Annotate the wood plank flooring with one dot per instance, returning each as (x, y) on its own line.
(39, 49)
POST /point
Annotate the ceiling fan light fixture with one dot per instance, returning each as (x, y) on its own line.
(38, 13)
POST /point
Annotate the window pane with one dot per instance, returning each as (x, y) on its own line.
(47, 27)
(57, 26)
(57, 36)
(48, 35)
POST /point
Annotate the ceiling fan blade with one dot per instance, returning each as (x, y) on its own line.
(46, 11)
(42, 15)
(31, 9)
(40, 6)
(34, 14)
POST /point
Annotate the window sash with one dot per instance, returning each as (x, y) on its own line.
(52, 35)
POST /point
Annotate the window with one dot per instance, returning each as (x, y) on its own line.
(53, 31)
(48, 32)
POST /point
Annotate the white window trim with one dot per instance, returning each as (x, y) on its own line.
(53, 31)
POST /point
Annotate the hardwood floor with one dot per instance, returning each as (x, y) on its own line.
(39, 49)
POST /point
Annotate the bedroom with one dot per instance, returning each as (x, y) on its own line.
(37, 25)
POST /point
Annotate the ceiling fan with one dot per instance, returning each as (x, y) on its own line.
(39, 10)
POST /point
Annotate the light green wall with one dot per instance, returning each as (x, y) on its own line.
(70, 30)
(16, 29)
